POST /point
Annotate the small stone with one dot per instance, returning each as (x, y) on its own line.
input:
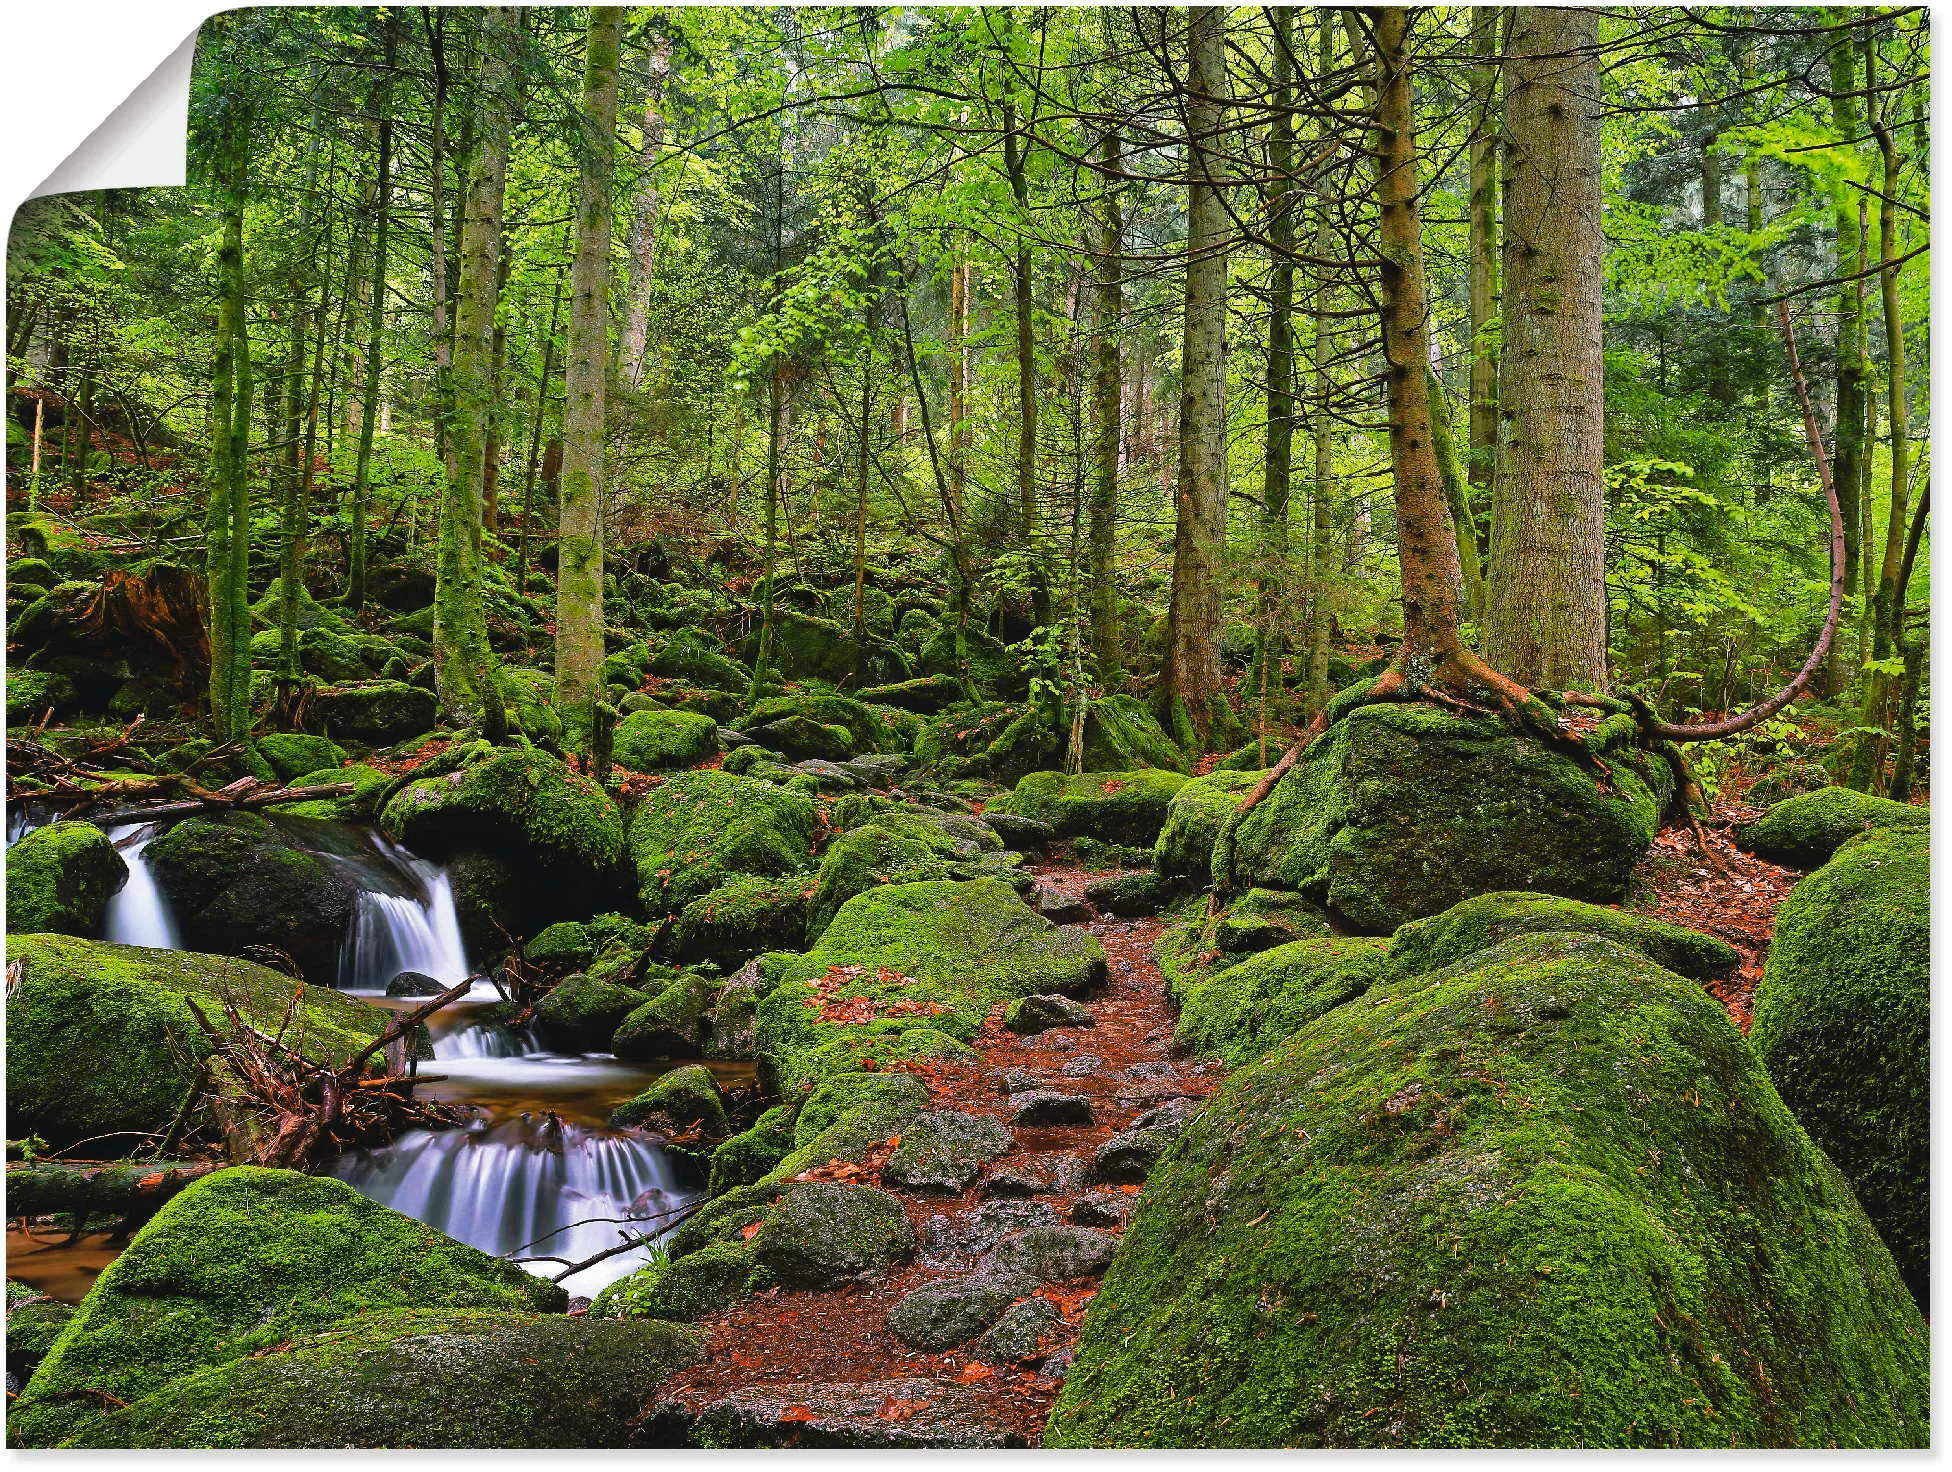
(1128, 1156)
(935, 1415)
(1047, 1107)
(728, 738)
(955, 1310)
(1052, 1254)
(945, 1150)
(1018, 1336)
(1015, 1184)
(945, 1238)
(1031, 1015)
(1082, 1066)
(1102, 1209)
(1017, 1081)
(1060, 908)
(1150, 1069)
(1059, 1364)
(414, 984)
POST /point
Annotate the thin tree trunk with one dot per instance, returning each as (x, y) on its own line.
(535, 434)
(1912, 640)
(227, 547)
(1481, 460)
(579, 550)
(1278, 468)
(362, 475)
(1853, 369)
(491, 454)
(643, 226)
(1108, 398)
(1016, 151)
(436, 23)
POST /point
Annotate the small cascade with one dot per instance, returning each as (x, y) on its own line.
(484, 1040)
(532, 1179)
(405, 921)
(137, 913)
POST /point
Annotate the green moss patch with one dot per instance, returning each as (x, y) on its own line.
(664, 740)
(1112, 807)
(1486, 920)
(1242, 1011)
(60, 878)
(697, 829)
(1804, 831)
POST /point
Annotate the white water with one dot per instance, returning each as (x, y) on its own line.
(413, 927)
(137, 913)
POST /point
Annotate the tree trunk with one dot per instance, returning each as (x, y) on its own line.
(436, 22)
(1190, 682)
(1016, 150)
(535, 434)
(1546, 620)
(1107, 398)
(579, 550)
(227, 528)
(1853, 369)
(1278, 468)
(464, 667)
(375, 367)
(1482, 458)
(491, 450)
(643, 225)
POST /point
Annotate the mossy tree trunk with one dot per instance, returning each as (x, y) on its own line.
(579, 576)
(375, 360)
(227, 525)
(1482, 460)
(643, 225)
(1277, 475)
(1853, 367)
(1016, 158)
(1107, 390)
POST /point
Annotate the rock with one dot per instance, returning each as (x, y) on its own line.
(848, 1115)
(489, 889)
(800, 739)
(294, 753)
(1045, 1108)
(751, 1155)
(122, 1009)
(1102, 1209)
(1011, 1183)
(946, 1239)
(1128, 1156)
(746, 914)
(687, 1288)
(823, 1233)
(1053, 1254)
(1019, 1336)
(1060, 908)
(664, 740)
(667, 1026)
(1805, 831)
(879, 769)
(1264, 918)
(1120, 734)
(1112, 807)
(873, 1414)
(33, 1324)
(678, 1102)
(582, 1013)
(892, 848)
(361, 805)
(403, 585)
(414, 984)
(239, 1262)
(1017, 1080)
(1183, 850)
(1029, 1015)
(952, 1311)
(1400, 811)
(1032, 834)
(529, 698)
(924, 696)
(454, 1378)
(1487, 920)
(1243, 1011)
(1593, 1269)
(1085, 1065)
(377, 712)
(698, 829)
(693, 655)
(728, 739)
(32, 694)
(1842, 1021)
(945, 1150)
(1129, 895)
(60, 878)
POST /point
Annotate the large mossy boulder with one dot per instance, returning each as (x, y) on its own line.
(681, 1100)
(1546, 1197)
(1121, 734)
(1399, 811)
(1243, 1011)
(377, 712)
(100, 1039)
(293, 753)
(911, 970)
(695, 656)
(697, 829)
(1184, 849)
(433, 1378)
(664, 740)
(240, 880)
(745, 915)
(559, 827)
(237, 1264)
(1112, 807)
(889, 849)
(1804, 831)
(1487, 920)
(60, 878)
(1843, 1018)
(583, 1013)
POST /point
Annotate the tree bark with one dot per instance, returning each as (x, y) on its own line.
(227, 527)
(1016, 151)
(1853, 368)
(375, 363)
(1481, 459)
(579, 549)
(1107, 400)
(643, 225)
(109, 1188)
(1546, 620)
(1277, 476)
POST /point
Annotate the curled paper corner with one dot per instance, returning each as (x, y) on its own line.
(143, 143)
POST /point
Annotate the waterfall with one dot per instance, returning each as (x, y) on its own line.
(503, 1186)
(137, 913)
(411, 925)
(484, 1040)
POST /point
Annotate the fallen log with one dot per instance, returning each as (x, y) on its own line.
(110, 1188)
(223, 800)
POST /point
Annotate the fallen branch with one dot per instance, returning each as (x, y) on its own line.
(224, 799)
(112, 1188)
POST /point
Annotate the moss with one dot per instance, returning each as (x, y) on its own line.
(453, 1378)
(879, 853)
(1544, 1198)
(924, 696)
(745, 915)
(664, 740)
(561, 825)
(905, 965)
(677, 1101)
(864, 729)
(574, 944)
(686, 1288)
(123, 1010)
(59, 878)
(529, 697)
(751, 1155)
(293, 752)
(1399, 811)
(986, 668)
(1842, 1021)
(697, 829)
(583, 1012)
(1804, 831)
(800, 739)
(1487, 920)
(1194, 817)
(361, 805)
(1121, 734)
(668, 1025)
(824, 1233)
(32, 1329)
(1114, 807)
(31, 572)
(1264, 918)
(947, 741)
(693, 655)
(239, 1262)
(1243, 1011)
(373, 711)
(33, 693)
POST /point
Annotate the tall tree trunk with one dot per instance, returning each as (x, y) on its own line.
(362, 474)
(1853, 368)
(1016, 157)
(228, 525)
(464, 667)
(1546, 620)
(1481, 461)
(535, 433)
(579, 576)
(643, 225)
(435, 20)
(1190, 682)
(491, 451)
(1278, 463)
(1107, 398)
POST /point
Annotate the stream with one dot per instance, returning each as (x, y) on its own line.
(537, 1173)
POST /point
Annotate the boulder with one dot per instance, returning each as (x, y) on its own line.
(676, 1103)
(667, 1026)
(1399, 811)
(361, 805)
(745, 915)
(1049, 1109)
(1264, 918)
(874, 854)
(294, 753)
(1804, 831)
(239, 1263)
(664, 740)
(696, 657)
(34, 1322)
(1120, 734)
(1545, 1198)
(529, 698)
(944, 1151)
(1241, 1012)
(1142, 893)
(414, 984)
(60, 878)
(821, 1234)
(801, 739)
(925, 695)
(1021, 1334)
(377, 712)
(687, 1288)
(1030, 1015)
(1054, 1254)
(697, 829)
(750, 1156)
(848, 1115)
(1487, 920)
(1127, 1157)
(122, 1008)
(1112, 807)
(32, 694)
(1842, 1020)
(582, 1013)
(864, 728)
(1184, 849)
(952, 1311)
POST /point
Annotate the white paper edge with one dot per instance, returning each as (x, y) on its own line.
(144, 143)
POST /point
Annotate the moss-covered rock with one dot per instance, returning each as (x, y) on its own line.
(697, 829)
(745, 915)
(876, 853)
(1121, 734)
(1399, 811)
(293, 752)
(31, 694)
(847, 1115)
(1264, 918)
(944, 1150)
(1487, 920)
(1243, 1011)
(583, 1013)
(1804, 831)
(361, 805)
(695, 656)
(32, 1328)
(122, 1010)
(905, 968)
(1547, 1197)
(449, 1378)
(59, 879)
(1842, 1021)
(1194, 817)
(376, 712)
(664, 740)
(686, 1288)
(529, 697)
(825, 1233)
(559, 826)
(1113, 807)
(670, 1025)
(240, 1262)
(682, 1100)
(924, 695)
(752, 1154)
(801, 739)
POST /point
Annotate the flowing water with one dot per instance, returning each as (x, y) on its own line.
(138, 913)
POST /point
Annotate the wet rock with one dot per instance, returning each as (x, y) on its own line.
(414, 984)
(874, 1414)
(1102, 1209)
(1029, 1015)
(1128, 1155)
(1014, 1183)
(60, 878)
(1019, 1335)
(1053, 1254)
(1131, 895)
(945, 1238)
(1044, 1108)
(823, 1233)
(584, 1013)
(945, 1150)
(955, 1310)
(678, 1102)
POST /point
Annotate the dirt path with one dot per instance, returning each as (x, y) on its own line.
(790, 1358)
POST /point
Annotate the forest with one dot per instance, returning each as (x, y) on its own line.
(979, 727)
